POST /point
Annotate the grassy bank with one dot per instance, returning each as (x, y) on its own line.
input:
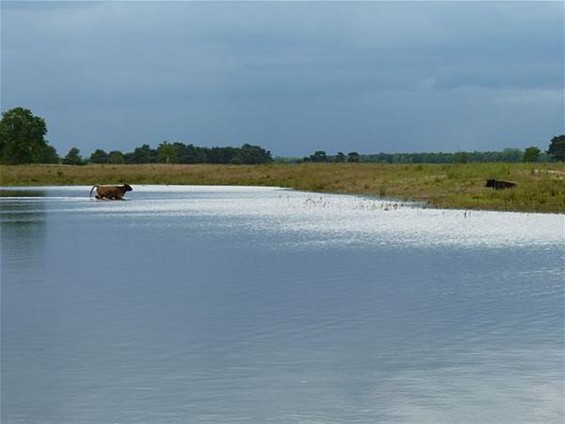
(540, 187)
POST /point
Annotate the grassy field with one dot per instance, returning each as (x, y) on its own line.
(540, 187)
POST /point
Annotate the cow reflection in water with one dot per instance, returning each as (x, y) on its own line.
(110, 192)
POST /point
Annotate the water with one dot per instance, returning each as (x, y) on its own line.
(263, 305)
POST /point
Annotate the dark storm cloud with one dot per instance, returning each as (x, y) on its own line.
(294, 77)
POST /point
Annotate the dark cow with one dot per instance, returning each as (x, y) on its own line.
(110, 192)
(499, 184)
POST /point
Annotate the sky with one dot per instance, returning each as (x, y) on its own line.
(292, 77)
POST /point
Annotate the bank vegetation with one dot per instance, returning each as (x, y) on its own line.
(539, 187)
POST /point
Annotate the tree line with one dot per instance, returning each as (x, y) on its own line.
(530, 154)
(178, 152)
(22, 140)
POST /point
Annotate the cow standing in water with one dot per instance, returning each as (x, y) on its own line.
(110, 192)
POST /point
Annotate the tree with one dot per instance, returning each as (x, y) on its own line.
(531, 154)
(143, 154)
(461, 157)
(49, 155)
(73, 157)
(191, 154)
(116, 157)
(224, 155)
(99, 156)
(557, 148)
(512, 155)
(340, 157)
(353, 157)
(318, 156)
(250, 154)
(22, 137)
(167, 152)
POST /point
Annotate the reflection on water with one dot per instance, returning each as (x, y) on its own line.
(226, 305)
(23, 226)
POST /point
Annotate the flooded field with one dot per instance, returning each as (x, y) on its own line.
(242, 304)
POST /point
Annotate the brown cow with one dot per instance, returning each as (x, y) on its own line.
(110, 192)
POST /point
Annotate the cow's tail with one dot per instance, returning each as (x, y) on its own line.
(92, 189)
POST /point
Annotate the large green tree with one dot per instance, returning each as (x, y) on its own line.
(22, 137)
(557, 148)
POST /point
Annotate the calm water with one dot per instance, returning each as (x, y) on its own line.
(260, 305)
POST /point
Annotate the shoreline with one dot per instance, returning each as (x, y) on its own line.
(540, 187)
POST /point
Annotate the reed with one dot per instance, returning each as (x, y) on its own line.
(540, 187)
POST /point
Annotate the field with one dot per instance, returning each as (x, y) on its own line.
(540, 187)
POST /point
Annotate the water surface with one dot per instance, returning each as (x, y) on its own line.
(264, 305)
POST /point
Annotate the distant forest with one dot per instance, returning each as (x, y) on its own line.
(180, 153)
(531, 154)
(22, 140)
(250, 154)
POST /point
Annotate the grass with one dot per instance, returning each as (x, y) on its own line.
(540, 187)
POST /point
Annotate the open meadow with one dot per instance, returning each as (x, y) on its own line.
(540, 187)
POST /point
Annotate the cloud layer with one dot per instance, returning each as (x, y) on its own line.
(293, 77)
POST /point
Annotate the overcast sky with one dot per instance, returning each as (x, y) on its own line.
(293, 77)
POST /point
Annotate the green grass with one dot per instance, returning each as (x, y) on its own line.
(540, 187)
